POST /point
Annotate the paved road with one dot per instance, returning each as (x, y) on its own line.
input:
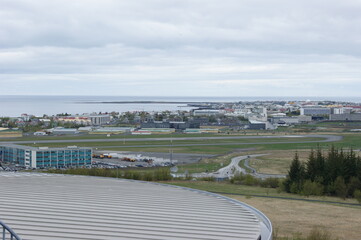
(233, 169)
(228, 171)
(327, 138)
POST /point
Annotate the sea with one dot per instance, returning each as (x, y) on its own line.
(14, 106)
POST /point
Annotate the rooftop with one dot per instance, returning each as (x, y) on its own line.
(39, 148)
(48, 206)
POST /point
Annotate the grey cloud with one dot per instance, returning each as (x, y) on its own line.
(206, 43)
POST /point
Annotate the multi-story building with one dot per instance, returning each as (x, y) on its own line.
(345, 117)
(99, 119)
(207, 112)
(44, 157)
(96, 120)
(315, 111)
(169, 124)
(74, 119)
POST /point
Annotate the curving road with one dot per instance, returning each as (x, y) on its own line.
(233, 169)
(228, 171)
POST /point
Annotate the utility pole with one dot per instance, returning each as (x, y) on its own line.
(171, 151)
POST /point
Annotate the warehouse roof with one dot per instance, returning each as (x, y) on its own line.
(47, 206)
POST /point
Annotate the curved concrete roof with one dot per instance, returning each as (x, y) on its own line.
(47, 206)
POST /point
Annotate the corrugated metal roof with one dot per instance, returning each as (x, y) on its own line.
(46, 206)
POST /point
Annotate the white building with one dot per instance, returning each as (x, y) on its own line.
(315, 111)
(207, 112)
(99, 119)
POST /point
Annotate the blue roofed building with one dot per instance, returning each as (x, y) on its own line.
(44, 157)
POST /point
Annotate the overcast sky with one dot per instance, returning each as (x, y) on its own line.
(180, 47)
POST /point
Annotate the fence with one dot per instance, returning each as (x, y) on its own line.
(7, 233)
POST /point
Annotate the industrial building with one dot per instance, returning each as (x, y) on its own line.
(291, 120)
(315, 111)
(207, 112)
(111, 130)
(156, 130)
(345, 117)
(260, 125)
(201, 130)
(44, 157)
(170, 124)
(52, 206)
(63, 131)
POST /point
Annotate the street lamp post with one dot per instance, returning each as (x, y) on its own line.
(171, 151)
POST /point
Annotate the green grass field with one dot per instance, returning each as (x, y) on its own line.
(349, 140)
(112, 136)
(228, 142)
(228, 188)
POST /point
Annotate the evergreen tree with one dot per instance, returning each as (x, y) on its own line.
(311, 167)
(320, 166)
(295, 175)
(358, 168)
(349, 168)
(332, 165)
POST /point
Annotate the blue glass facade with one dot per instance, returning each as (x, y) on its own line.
(45, 157)
(14, 155)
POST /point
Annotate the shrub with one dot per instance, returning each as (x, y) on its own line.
(136, 175)
(249, 180)
(208, 179)
(162, 174)
(312, 188)
(340, 187)
(270, 182)
(353, 185)
(128, 174)
(294, 188)
(357, 195)
(148, 176)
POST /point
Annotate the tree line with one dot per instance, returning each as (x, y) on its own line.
(335, 173)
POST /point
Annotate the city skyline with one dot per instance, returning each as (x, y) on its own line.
(180, 48)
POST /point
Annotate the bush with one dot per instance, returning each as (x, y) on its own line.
(340, 187)
(270, 183)
(353, 186)
(136, 175)
(357, 195)
(208, 179)
(312, 188)
(294, 188)
(249, 180)
(245, 179)
(148, 176)
(162, 174)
